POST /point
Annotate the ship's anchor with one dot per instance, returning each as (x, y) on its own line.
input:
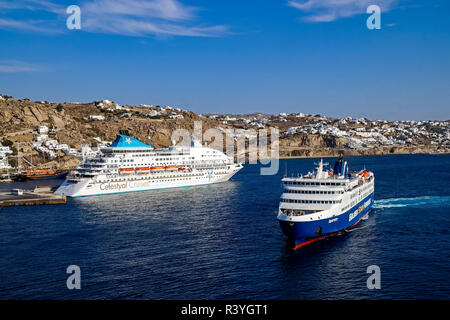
(319, 230)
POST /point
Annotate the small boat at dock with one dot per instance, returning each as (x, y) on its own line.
(42, 174)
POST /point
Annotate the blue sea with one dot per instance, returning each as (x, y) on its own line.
(223, 241)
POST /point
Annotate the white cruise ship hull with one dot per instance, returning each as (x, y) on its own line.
(133, 183)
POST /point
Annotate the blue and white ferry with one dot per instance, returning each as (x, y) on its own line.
(324, 203)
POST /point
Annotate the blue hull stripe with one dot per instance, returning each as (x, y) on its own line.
(306, 230)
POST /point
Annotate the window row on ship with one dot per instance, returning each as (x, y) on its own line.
(311, 201)
(365, 194)
(294, 212)
(302, 183)
(172, 178)
(365, 187)
(215, 155)
(157, 164)
(179, 177)
(312, 191)
(157, 159)
(160, 179)
(145, 153)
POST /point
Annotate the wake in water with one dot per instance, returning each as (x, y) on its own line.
(412, 202)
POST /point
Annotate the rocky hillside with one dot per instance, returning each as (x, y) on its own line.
(75, 124)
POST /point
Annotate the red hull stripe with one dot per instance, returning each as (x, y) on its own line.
(301, 245)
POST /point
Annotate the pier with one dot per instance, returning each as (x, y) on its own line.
(38, 196)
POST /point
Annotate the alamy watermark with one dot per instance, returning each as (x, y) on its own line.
(73, 22)
(74, 280)
(374, 280)
(374, 20)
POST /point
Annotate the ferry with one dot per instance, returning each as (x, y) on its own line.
(324, 203)
(129, 165)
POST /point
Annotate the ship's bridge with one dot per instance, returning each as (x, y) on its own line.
(316, 191)
(312, 195)
(322, 190)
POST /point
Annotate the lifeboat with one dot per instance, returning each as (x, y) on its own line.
(181, 169)
(157, 168)
(126, 170)
(364, 175)
(142, 170)
(171, 167)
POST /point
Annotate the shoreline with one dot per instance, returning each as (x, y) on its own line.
(360, 155)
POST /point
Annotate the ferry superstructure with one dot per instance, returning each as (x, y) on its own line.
(130, 165)
(324, 203)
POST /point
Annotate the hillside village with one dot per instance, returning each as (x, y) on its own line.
(52, 134)
(316, 135)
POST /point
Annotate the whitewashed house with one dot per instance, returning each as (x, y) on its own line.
(42, 129)
(4, 152)
(98, 118)
(176, 116)
(153, 113)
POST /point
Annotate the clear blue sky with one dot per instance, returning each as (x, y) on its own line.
(236, 56)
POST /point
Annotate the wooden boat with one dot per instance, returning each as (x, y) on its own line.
(42, 174)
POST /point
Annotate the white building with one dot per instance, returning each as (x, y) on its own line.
(4, 152)
(51, 144)
(93, 117)
(41, 138)
(153, 113)
(42, 129)
(176, 116)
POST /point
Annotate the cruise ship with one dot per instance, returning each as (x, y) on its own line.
(129, 165)
(324, 203)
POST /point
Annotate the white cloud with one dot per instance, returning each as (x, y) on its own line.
(140, 18)
(161, 9)
(32, 5)
(27, 25)
(330, 10)
(125, 17)
(13, 66)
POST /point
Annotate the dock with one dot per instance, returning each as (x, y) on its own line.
(39, 196)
